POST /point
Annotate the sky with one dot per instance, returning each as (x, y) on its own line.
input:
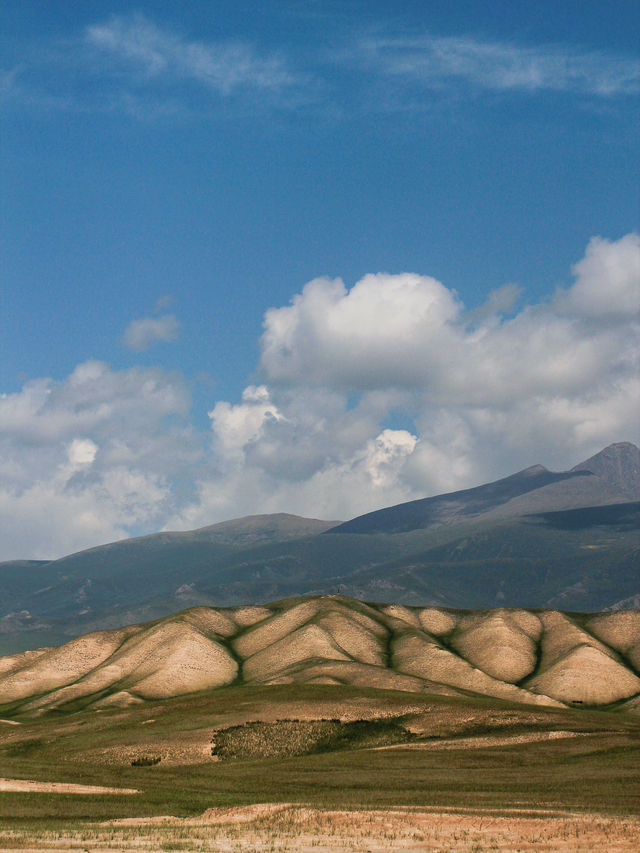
(307, 256)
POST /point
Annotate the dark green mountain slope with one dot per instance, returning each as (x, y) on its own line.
(582, 559)
(612, 476)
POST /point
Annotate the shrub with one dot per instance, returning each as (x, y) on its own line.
(146, 761)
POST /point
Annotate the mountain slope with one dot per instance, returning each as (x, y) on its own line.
(530, 540)
(617, 465)
(612, 476)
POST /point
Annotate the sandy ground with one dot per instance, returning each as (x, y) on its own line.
(26, 786)
(285, 827)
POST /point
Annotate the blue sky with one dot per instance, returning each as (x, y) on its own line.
(173, 176)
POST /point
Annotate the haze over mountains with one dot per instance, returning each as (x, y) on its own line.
(536, 539)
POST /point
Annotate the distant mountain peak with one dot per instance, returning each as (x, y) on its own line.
(534, 470)
(611, 476)
(618, 465)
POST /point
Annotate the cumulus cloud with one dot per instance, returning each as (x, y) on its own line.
(56, 516)
(237, 426)
(147, 331)
(383, 452)
(92, 399)
(345, 479)
(500, 301)
(488, 393)
(90, 458)
(410, 331)
(607, 279)
(370, 336)
(367, 396)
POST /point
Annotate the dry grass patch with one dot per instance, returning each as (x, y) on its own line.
(287, 827)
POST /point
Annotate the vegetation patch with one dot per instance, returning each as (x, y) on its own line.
(25, 747)
(146, 761)
(284, 738)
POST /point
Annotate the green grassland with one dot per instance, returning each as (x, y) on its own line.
(595, 771)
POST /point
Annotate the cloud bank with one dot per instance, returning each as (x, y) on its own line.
(367, 396)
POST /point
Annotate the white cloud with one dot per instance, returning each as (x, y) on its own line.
(90, 459)
(150, 69)
(488, 394)
(222, 67)
(437, 61)
(499, 301)
(81, 452)
(374, 335)
(369, 396)
(147, 331)
(162, 302)
(383, 453)
(410, 331)
(56, 515)
(93, 400)
(236, 426)
(607, 279)
(346, 479)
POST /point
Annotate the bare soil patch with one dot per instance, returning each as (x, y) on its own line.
(482, 742)
(30, 786)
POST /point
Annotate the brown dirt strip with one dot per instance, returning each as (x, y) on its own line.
(29, 786)
(480, 741)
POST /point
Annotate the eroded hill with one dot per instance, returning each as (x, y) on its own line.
(541, 657)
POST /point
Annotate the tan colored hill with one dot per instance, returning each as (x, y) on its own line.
(542, 657)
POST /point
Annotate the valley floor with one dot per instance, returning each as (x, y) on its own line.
(320, 768)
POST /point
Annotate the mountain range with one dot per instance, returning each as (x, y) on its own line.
(535, 539)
